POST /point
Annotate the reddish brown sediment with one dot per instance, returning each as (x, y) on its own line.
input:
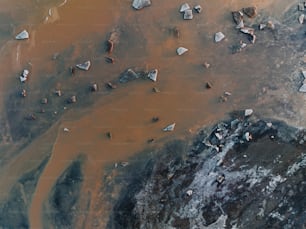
(127, 113)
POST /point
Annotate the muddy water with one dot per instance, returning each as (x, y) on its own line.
(127, 112)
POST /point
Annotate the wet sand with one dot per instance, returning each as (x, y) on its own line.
(128, 110)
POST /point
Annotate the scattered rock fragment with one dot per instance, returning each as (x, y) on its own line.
(301, 7)
(248, 112)
(66, 129)
(109, 135)
(247, 30)
(251, 12)
(31, 117)
(109, 46)
(219, 36)
(238, 19)
(111, 85)
(262, 26)
(198, 9)
(169, 127)
(44, 101)
(23, 93)
(209, 85)
(85, 66)
(248, 136)
(155, 119)
(206, 65)
(110, 60)
(58, 93)
(128, 75)
(301, 18)
(181, 50)
(303, 88)
(22, 35)
(94, 87)
(189, 192)
(139, 4)
(155, 89)
(220, 179)
(270, 25)
(72, 70)
(188, 15)
(153, 75)
(184, 7)
(72, 99)
(24, 75)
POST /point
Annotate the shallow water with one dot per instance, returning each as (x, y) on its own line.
(126, 112)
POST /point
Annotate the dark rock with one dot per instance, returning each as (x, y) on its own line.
(128, 75)
(250, 11)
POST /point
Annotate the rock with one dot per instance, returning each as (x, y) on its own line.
(94, 87)
(227, 93)
(209, 85)
(238, 19)
(253, 38)
(155, 89)
(181, 50)
(247, 30)
(262, 26)
(111, 85)
(188, 15)
(72, 99)
(22, 35)
(248, 112)
(72, 70)
(270, 25)
(85, 66)
(24, 75)
(66, 129)
(155, 119)
(169, 127)
(110, 60)
(220, 179)
(250, 11)
(206, 65)
(301, 18)
(58, 93)
(44, 101)
(109, 46)
(139, 4)
(247, 136)
(109, 135)
(198, 9)
(23, 93)
(303, 88)
(189, 192)
(153, 75)
(219, 36)
(128, 75)
(301, 7)
(184, 7)
(304, 74)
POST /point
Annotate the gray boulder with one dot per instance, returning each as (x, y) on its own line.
(139, 4)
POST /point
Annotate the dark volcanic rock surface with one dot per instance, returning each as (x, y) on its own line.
(241, 173)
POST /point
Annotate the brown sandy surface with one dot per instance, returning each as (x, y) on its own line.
(128, 110)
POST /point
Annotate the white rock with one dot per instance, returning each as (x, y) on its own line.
(248, 136)
(219, 36)
(23, 35)
(188, 15)
(262, 26)
(181, 50)
(247, 30)
(184, 7)
(66, 129)
(85, 66)
(240, 25)
(198, 8)
(169, 127)
(304, 74)
(153, 75)
(24, 75)
(219, 136)
(301, 18)
(139, 4)
(269, 124)
(189, 192)
(248, 112)
(303, 88)
(23, 79)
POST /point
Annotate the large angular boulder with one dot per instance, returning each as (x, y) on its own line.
(139, 4)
